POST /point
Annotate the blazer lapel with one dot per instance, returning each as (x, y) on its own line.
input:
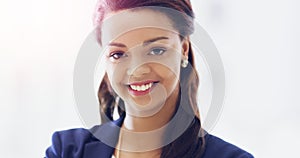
(97, 150)
(107, 137)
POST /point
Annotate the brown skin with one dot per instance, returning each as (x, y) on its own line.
(136, 62)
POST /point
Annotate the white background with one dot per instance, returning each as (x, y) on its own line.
(257, 39)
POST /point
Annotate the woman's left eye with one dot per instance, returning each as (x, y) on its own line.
(157, 51)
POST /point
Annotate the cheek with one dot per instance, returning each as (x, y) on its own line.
(115, 79)
(169, 78)
(168, 73)
(109, 71)
(173, 59)
(171, 66)
(116, 73)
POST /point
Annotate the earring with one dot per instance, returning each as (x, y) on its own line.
(184, 63)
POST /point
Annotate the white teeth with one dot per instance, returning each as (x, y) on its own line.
(141, 88)
(133, 87)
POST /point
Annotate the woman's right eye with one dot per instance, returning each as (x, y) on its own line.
(117, 55)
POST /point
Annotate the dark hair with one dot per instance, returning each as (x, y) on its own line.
(188, 144)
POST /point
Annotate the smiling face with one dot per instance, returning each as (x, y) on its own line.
(143, 57)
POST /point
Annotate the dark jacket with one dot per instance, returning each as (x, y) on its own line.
(81, 143)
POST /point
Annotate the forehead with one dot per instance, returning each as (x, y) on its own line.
(143, 36)
(137, 23)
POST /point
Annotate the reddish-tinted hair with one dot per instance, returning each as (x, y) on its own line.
(179, 11)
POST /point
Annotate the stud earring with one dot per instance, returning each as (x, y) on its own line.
(184, 63)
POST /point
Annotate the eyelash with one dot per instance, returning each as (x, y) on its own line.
(116, 55)
(161, 51)
(120, 53)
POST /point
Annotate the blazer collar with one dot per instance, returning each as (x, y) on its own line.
(107, 136)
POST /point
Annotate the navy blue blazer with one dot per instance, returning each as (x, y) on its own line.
(81, 143)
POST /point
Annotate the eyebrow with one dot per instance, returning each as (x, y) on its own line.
(145, 43)
(116, 44)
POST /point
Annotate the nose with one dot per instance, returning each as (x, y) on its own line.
(139, 71)
(138, 63)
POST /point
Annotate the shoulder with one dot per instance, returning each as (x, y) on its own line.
(216, 147)
(80, 142)
(69, 143)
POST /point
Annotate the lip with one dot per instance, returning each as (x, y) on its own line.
(139, 83)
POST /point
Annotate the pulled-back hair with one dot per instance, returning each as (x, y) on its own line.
(188, 144)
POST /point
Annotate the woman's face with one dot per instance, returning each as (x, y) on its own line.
(143, 55)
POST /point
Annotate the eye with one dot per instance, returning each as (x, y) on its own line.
(157, 51)
(117, 55)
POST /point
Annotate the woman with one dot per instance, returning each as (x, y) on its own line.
(150, 78)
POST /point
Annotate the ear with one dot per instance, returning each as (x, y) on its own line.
(185, 44)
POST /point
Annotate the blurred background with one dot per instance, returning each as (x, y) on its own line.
(258, 41)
